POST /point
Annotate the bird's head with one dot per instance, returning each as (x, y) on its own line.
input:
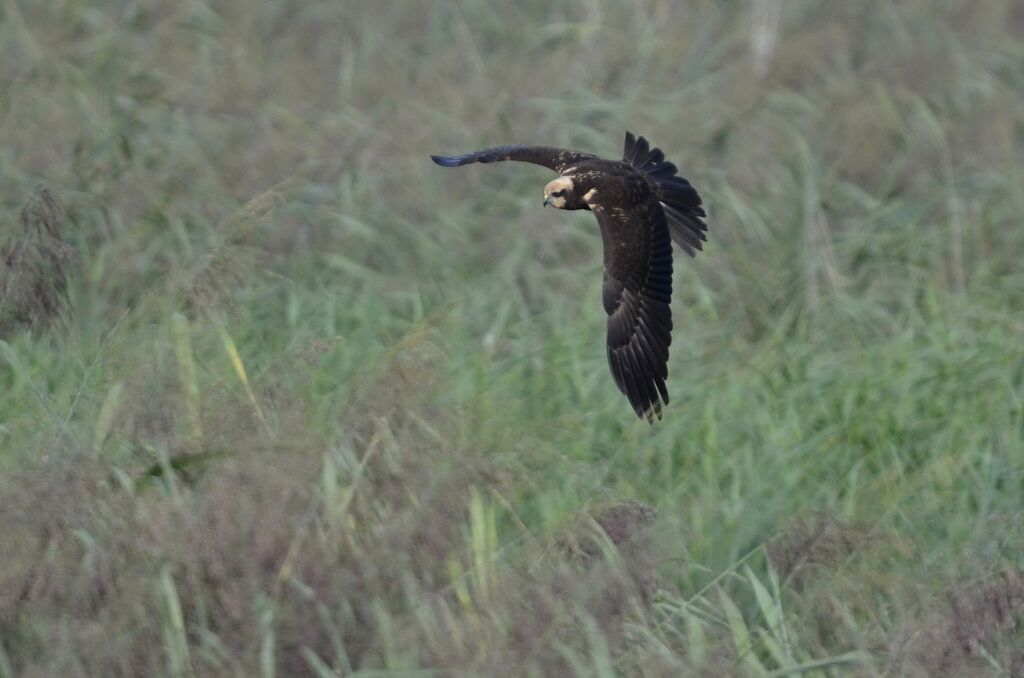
(560, 193)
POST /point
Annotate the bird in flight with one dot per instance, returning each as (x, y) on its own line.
(641, 207)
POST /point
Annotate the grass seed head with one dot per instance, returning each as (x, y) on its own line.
(35, 266)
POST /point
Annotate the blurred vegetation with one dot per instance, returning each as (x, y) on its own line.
(316, 407)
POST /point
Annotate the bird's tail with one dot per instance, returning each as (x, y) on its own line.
(680, 200)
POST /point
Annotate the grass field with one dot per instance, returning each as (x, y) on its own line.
(315, 406)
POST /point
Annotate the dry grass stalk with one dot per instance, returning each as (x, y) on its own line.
(209, 286)
(34, 275)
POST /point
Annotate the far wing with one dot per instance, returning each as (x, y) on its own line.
(637, 294)
(558, 159)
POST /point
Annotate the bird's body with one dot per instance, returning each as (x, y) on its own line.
(641, 206)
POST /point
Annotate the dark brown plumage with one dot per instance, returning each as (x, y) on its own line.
(641, 207)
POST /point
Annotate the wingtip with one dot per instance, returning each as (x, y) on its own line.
(445, 161)
(652, 413)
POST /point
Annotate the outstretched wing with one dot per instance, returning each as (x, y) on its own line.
(680, 200)
(558, 159)
(637, 293)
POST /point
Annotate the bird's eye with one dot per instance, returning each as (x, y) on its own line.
(557, 194)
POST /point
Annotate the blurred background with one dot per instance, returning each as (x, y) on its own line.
(278, 396)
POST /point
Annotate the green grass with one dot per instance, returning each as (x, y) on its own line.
(318, 407)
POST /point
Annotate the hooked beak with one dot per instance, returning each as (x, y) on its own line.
(547, 200)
